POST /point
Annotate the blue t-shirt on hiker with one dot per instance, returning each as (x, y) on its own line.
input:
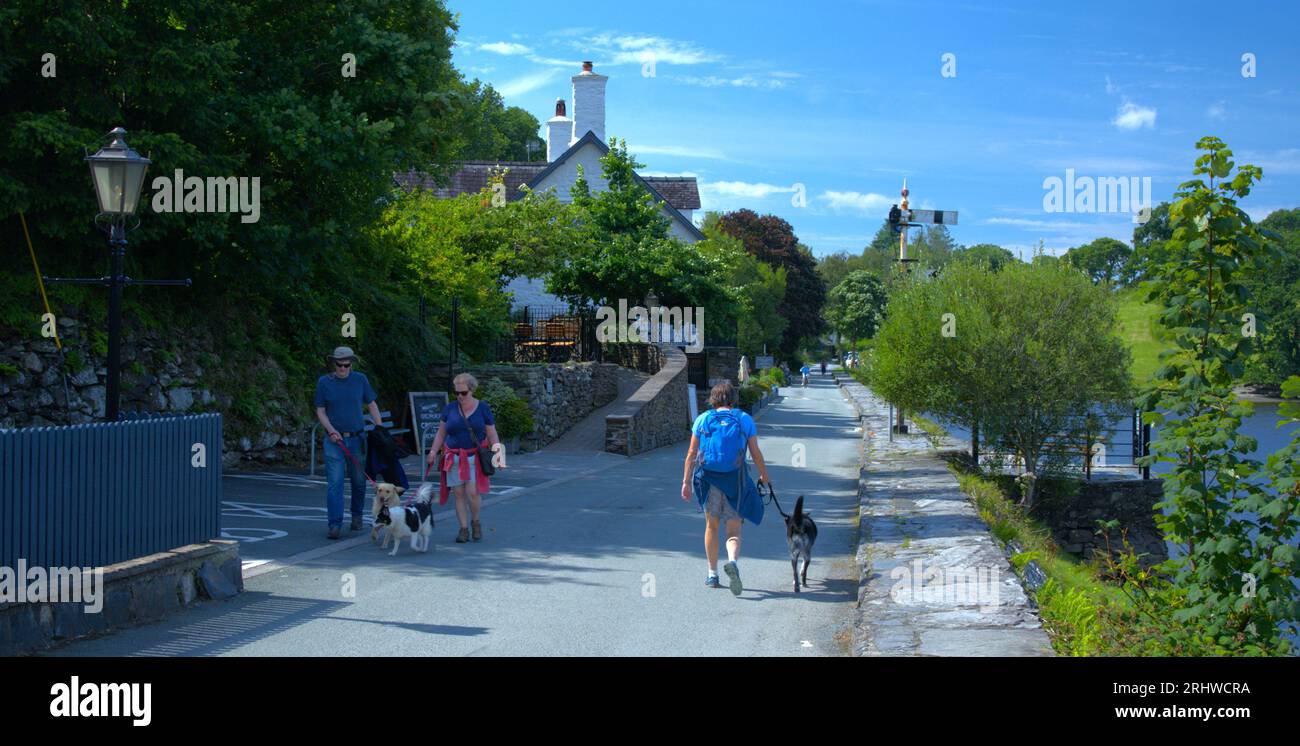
(343, 399)
(458, 434)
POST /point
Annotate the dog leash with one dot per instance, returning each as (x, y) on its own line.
(354, 463)
(771, 497)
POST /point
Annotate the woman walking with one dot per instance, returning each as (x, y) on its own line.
(720, 481)
(467, 423)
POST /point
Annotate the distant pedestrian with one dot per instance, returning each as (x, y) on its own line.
(823, 367)
(715, 474)
(340, 396)
(467, 423)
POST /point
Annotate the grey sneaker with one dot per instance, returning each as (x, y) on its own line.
(733, 572)
(334, 532)
(356, 523)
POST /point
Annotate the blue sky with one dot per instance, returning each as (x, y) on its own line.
(845, 99)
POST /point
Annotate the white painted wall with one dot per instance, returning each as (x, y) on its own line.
(563, 178)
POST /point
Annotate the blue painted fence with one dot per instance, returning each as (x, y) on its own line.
(93, 495)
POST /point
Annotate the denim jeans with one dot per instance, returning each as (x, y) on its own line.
(338, 466)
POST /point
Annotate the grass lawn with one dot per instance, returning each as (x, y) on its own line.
(1139, 325)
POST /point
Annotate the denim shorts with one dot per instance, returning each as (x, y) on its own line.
(453, 474)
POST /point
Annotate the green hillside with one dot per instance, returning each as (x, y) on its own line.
(1139, 327)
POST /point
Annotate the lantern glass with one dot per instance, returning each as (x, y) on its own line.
(118, 175)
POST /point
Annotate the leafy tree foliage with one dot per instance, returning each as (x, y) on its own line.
(624, 250)
(1234, 519)
(1104, 260)
(989, 256)
(1020, 353)
(856, 306)
(771, 240)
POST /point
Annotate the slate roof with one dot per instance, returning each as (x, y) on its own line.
(680, 192)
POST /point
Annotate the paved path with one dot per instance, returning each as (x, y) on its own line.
(602, 558)
(589, 434)
(934, 580)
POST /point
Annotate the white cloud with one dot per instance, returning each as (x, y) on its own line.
(629, 49)
(744, 81)
(1217, 111)
(1110, 87)
(748, 190)
(505, 47)
(1055, 225)
(1131, 117)
(678, 150)
(526, 83)
(870, 203)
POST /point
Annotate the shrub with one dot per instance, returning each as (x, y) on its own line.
(749, 396)
(512, 414)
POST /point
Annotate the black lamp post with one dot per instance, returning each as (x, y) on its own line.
(117, 173)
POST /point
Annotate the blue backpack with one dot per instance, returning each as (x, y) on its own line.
(722, 441)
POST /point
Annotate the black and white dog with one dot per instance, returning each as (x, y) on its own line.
(415, 521)
(800, 535)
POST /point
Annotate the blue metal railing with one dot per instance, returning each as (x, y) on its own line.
(97, 494)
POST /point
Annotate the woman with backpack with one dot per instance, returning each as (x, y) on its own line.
(715, 474)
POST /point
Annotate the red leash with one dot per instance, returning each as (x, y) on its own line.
(354, 462)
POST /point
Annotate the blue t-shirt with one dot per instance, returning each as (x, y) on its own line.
(458, 435)
(747, 425)
(343, 399)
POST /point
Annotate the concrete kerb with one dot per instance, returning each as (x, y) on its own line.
(913, 519)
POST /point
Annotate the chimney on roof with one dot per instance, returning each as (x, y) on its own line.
(559, 131)
(588, 103)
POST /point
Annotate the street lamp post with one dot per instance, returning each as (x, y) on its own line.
(117, 173)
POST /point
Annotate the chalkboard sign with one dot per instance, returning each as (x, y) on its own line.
(426, 415)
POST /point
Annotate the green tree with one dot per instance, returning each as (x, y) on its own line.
(1148, 243)
(989, 256)
(624, 250)
(856, 306)
(257, 90)
(1274, 292)
(833, 268)
(771, 240)
(1019, 353)
(492, 131)
(1104, 260)
(1230, 528)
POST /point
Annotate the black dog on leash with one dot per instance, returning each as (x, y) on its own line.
(800, 535)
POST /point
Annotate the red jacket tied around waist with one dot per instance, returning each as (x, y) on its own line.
(481, 483)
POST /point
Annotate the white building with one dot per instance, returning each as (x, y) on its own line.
(570, 142)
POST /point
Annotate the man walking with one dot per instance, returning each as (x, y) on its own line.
(340, 396)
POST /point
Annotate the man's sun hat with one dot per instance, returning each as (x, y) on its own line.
(341, 353)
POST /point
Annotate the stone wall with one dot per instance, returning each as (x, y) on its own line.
(1073, 517)
(658, 414)
(560, 395)
(723, 364)
(137, 591)
(170, 373)
(635, 355)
